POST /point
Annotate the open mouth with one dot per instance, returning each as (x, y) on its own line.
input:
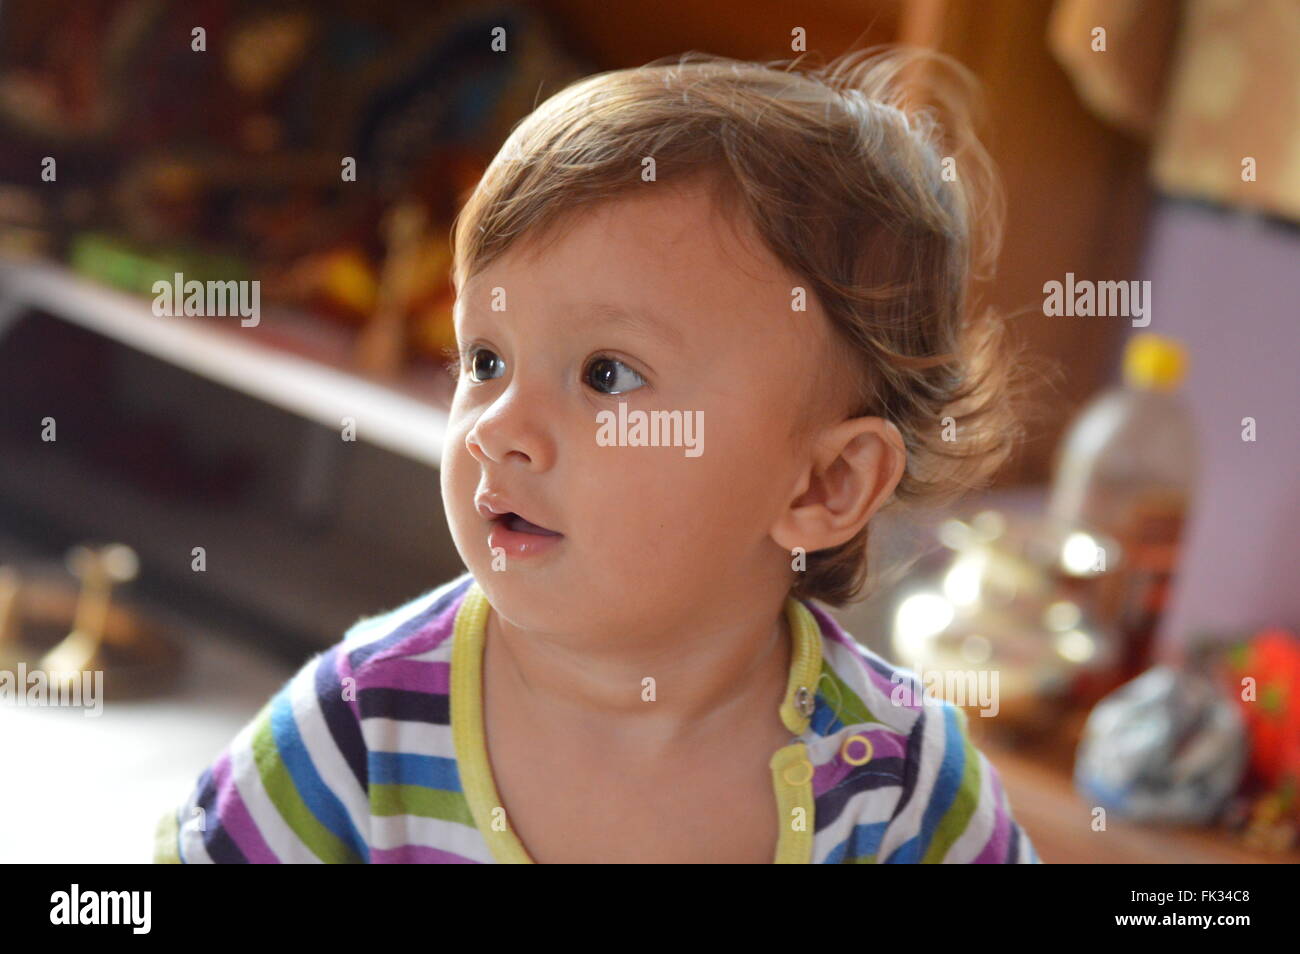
(512, 521)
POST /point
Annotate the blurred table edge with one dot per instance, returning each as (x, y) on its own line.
(407, 415)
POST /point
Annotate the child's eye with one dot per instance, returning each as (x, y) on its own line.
(609, 376)
(484, 365)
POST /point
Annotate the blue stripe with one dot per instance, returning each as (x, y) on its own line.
(322, 802)
(908, 853)
(863, 840)
(825, 719)
(407, 768)
(944, 790)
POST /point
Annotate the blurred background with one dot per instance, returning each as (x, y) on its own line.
(178, 511)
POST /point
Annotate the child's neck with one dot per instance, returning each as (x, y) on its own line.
(706, 680)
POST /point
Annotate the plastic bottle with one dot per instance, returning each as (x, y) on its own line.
(1128, 468)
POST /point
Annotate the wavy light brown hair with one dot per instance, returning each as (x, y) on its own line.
(886, 210)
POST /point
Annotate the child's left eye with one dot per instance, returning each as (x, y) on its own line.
(609, 376)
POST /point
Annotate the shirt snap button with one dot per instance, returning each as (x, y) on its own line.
(803, 701)
(867, 750)
(804, 769)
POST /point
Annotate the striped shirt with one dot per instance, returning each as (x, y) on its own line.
(375, 752)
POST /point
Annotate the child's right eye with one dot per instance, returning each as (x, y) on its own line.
(484, 365)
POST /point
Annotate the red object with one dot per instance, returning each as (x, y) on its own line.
(1272, 659)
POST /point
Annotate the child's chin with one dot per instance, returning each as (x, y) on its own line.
(530, 601)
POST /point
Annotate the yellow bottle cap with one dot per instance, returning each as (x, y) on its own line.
(1154, 361)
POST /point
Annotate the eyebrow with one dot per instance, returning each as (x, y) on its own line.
(634, 319)
(637, 320)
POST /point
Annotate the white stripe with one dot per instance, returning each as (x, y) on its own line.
(325, 754)
(1025, 854)
(980, 827)
(193, 851)
(929, 751)
(863, 808)
(413, 738)
(277, 834)
(851, 669)
(438, 654)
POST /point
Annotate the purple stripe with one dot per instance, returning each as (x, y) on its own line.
(830, 629)
(885, 743)
(865, 658)
(428, 637)
(234, 817)
(343, 667)
(430, 633)
(417, 855)
(912, 691)
(995, 852)
(429, 623)
(410, 674)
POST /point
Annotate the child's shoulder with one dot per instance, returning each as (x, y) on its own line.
(300, 781)
(858, 686)
(896, 776)
(418, 630)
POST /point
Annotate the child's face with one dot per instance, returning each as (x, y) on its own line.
(657, 534)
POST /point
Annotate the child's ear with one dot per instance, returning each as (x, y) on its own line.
(853, 470)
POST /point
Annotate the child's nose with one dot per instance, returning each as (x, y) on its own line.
(511, 429)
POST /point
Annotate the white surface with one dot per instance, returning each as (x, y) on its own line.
(90, 789)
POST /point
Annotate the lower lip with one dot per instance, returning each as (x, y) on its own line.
(520, 546)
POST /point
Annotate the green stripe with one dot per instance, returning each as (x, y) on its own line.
(324, 844)
(959, 813)
(420, 800)
(848, 706)
(164, 840)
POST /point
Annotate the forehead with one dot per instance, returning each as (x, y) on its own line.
(668, 253)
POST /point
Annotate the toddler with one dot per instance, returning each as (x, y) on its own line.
(712, 316)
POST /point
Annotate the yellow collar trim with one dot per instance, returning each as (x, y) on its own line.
(791, 769)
